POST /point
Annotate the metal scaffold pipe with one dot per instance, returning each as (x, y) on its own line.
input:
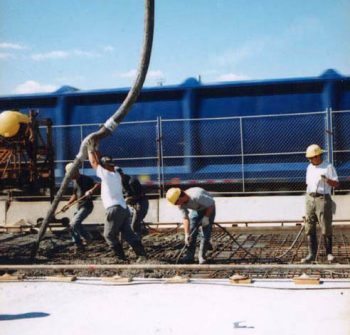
(112, 123)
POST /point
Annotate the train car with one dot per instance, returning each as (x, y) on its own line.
(234, 137)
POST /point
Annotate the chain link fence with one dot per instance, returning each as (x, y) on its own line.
(232, 155)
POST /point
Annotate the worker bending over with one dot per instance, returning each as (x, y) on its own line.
(198, 209)
(117, 214)
(83, 189)
(136, 199)
(320, 178)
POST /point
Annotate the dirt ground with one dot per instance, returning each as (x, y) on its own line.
(165, 246)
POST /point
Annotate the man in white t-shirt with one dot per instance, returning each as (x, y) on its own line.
(117, 213)
(321, 177)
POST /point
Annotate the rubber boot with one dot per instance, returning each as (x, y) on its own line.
(189, 253)
(203, 247)
(328, 243)
(139, 251)
(119, 252)
(312, 244)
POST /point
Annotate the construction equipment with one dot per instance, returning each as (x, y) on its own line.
(26, 154)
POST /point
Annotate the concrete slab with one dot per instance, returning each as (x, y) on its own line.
(89, 306)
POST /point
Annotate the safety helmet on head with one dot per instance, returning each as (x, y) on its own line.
(173, 195)
(313, 150)
(106, 160)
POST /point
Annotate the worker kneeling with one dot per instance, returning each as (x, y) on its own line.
(198, 209)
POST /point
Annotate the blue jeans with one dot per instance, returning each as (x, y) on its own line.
(78, 230)
(195, 229)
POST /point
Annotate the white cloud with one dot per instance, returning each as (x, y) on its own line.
(82, 53)
(129, 75)
(60, 54)
(232, 77)
(108, 48)
(14, 46)
(50, 55)
(248, 50)
(155, 74)
(4, 55)
(32, 86)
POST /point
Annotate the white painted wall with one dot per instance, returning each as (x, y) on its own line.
(229, 209)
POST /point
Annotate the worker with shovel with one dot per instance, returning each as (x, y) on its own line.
(320, 178)
(83, 189)
(201, 215)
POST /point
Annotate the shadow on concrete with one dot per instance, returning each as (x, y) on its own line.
(9, 317)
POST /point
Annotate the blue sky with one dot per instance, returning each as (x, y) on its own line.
(95, 44)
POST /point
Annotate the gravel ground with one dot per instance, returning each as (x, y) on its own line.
(165, 246)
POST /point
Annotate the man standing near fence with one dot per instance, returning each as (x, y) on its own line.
(320, 178)
(136, 199)
(117, 214)
(201, 216)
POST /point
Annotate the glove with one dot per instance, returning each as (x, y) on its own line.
(187, 240)
(205, 221)
(64, 208)
(91, 145)
(88, 194)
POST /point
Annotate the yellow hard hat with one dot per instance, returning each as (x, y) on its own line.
(10, 122)
(173, 195)
(313, 150)
(69, 167)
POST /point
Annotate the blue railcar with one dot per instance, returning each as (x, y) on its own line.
(243, 132)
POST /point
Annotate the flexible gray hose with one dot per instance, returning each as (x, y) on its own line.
(110, 125)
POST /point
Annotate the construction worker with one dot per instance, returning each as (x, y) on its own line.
(136, 199)
(320, 178)
(117, 214)
(83, 189)
(201, 215)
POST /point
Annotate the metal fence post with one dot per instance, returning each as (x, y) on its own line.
(160, 163)
(329, 134)
(242, 152)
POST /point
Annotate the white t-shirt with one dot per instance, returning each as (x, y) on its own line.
(111, 188)
(314, 182)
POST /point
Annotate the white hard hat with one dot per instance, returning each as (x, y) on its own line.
(313, 150)
(173, 195)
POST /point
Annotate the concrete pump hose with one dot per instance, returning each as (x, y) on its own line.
(112, 122)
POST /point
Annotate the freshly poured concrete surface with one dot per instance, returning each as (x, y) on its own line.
(90, 306)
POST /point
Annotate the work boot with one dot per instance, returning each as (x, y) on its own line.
(328, 243)
(189, 254)
(119, 252)
(139, 249)
(78, 249)
(312, 244)
(203, 247)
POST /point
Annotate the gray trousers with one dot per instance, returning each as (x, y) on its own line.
(318, 209)
(117, 221)
(139, 211)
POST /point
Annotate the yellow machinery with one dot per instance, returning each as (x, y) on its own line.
(26, 154)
